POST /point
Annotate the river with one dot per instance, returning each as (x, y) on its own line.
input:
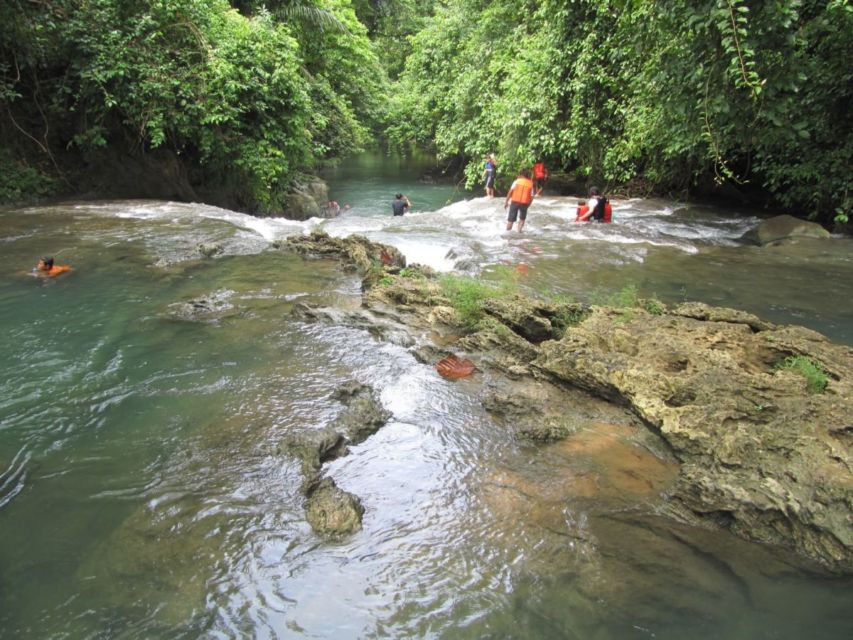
(144, 492)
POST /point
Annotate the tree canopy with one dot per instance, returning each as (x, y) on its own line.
(666, 96)
(673, 93)
(251, 100)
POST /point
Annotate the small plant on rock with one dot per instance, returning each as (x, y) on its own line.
(467, 295)
(654, 306)
(815, 375)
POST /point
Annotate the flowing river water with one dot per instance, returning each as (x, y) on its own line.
(144, 492)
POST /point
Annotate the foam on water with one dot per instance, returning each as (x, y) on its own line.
(458, 235)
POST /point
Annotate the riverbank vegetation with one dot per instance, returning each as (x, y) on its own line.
(185, 98)
(671, 95)
(231, 102)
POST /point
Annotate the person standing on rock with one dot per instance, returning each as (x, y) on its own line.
(400, 204)
(520, 194)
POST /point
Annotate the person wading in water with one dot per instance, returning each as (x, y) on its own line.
(520, 194)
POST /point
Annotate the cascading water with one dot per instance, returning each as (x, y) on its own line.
(145, 396)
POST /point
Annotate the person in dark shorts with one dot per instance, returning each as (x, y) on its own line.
(520, 194)
(489, 174)
(400, 204)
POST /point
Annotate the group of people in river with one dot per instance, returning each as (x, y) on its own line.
(540, 175)
(525, 188)
(521, 193)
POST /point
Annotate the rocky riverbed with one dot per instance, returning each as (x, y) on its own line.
(759, 451)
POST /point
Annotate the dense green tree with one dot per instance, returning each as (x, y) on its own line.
(748, 93)
(245, 101)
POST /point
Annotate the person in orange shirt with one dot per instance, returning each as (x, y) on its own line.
(520, 194)
(540, 174)
(45, 267)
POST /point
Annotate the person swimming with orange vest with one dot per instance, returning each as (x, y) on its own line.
(521, 195)
(48, 269)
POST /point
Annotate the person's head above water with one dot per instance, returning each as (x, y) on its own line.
(593, 191)
(524, 173)
(399, 196)
(45, 263)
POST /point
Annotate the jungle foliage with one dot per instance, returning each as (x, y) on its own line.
(672, 94)
(250, 99)
(668, 95)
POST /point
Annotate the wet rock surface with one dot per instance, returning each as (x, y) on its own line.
(355, 251)
(210, 308)
(329, 510)
(759, 454)
(785, 227)
(364, 414)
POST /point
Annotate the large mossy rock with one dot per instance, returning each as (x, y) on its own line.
(355, 251)
(307, 200)
(784, 227)
(760, 454)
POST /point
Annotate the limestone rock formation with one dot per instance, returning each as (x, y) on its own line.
(328, 509)
(331, 511)
(784, 227)
(759, 452)
(355, 251)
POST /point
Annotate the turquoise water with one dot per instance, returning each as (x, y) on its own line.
(145, 396)
(369, 182)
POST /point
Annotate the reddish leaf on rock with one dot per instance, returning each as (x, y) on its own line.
(386, 258)
(454, 367)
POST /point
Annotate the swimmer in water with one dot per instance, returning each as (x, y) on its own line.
(46, 268)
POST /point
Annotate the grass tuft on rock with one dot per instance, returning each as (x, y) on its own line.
(467, 295)
(815, 375)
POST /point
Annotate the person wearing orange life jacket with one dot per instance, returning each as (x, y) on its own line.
(540, 174)
(520, 194)
(598, 208)
(581, 211)
(45, 267)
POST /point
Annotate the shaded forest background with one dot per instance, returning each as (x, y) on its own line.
(234, 103)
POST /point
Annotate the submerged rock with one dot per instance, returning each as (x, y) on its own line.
(330, 510)
(209, 249)
(364, 414)
(784, 227)
(213, 307)
(313, 448)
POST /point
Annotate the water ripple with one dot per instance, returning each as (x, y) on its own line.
(13, 479)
